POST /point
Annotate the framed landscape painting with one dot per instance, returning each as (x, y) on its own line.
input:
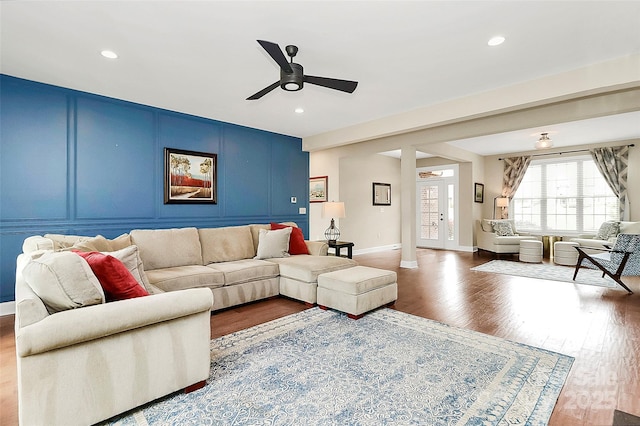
(318, 189)
(190, 177)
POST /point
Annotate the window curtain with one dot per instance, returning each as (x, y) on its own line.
(514, 170)
(613, 163)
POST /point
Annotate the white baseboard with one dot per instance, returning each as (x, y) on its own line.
(396, 246)
(7, 308)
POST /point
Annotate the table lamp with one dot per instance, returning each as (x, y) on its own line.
(501, 202)
(333, 209)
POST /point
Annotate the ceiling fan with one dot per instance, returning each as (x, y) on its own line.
(292, 76)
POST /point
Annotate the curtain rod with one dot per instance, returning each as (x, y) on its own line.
(566, 152)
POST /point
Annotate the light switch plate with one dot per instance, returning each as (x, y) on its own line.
(302, 210)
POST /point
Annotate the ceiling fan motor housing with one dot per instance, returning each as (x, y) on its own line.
(294, 81)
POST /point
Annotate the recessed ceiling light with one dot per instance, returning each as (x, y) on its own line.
(109, 54)
(495, 41)
(299, 110)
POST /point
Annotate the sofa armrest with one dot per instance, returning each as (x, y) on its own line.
(93, 322)
(36, 243)
(317, 248)
(484, 240)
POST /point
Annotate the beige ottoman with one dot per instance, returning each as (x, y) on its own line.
(531, 251)
(357, 290)
(565, 253)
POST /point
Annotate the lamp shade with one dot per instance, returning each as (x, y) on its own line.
(333, 209)
(502, 202)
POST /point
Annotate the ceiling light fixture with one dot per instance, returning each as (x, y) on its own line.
(495, 41)
(109, 54)
(299, 110)
(544, 142)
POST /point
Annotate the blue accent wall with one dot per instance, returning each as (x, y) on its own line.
(77, 163)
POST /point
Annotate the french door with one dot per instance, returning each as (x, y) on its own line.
(436, 213)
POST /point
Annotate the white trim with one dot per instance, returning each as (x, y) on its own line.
(7, 308)
(468, 249)
(409, 264)
(396, 246)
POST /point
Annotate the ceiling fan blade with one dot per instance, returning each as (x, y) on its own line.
(332, 83)
(263, 91)
(276, 53)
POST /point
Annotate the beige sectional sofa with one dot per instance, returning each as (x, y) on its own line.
(221, 259)
(84, 365)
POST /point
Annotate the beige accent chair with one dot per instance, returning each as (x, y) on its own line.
(488, 240)
(84, 365)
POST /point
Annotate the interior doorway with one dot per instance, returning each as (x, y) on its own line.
(437, 207)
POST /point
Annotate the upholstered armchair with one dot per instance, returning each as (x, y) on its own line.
(622, 259)
(499, 236)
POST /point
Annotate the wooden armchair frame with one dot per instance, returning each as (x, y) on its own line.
(612, 261)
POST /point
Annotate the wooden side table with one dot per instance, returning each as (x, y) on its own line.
(338, 245)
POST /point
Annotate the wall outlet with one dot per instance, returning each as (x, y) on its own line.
(294, 200)
(302, 210)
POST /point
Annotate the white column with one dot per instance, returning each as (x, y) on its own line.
(408, 204)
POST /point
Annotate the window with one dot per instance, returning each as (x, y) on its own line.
(563, 195)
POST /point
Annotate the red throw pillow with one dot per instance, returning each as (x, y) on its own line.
(115, 279)
(296, 241)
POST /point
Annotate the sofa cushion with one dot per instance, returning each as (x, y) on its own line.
(63, 280)
(608, 230)
(62, 241)
(297, 245)
(102, 244)
(591, 243)
(306, 268)
(226, 244)
(116, 280)
(629, 227)
(182, 277)
(273, 244)
(241, 271)
(510, 240)
(167, 248)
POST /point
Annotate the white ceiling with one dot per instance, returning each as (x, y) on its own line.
(202, 58)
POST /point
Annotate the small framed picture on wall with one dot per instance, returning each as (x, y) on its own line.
(318, 189)
(381, 194)
(479, 192)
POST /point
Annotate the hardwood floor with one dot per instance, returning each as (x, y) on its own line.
(599, 327)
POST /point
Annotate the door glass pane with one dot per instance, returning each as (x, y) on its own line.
(450, 212)
(429, 213)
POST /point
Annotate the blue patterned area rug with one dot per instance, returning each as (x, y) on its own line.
(546, 271)
(388, 368)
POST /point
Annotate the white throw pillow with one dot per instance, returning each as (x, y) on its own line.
(273, 244)
(63, 280)
(130, 257)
